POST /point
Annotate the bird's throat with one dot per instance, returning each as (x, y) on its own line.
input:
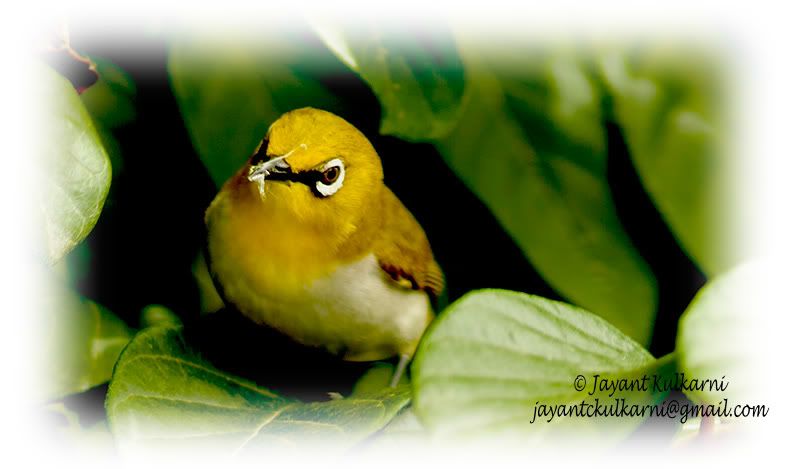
(266, 246)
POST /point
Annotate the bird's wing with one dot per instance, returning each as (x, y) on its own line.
(403, 250)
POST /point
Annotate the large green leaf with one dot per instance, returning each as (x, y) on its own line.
(230, 90)
(531, 145)
(74, 167)
(717, 335)
(164, 395)
(83, 341)
(493, 355)
(111, 103)
(668, 104)
(418, 79)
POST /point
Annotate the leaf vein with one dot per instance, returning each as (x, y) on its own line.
(207, 369)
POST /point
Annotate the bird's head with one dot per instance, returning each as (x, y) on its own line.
(312, 167)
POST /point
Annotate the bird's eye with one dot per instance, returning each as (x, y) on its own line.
(330, 175)
(331, 178)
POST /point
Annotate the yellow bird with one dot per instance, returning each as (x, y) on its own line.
(307, 239)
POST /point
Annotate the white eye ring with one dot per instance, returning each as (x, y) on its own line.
(326, 190)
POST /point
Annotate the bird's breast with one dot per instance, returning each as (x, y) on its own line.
(279, 273)
(354, 310)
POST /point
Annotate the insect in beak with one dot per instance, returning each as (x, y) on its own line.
(258, 173)
(262, 171)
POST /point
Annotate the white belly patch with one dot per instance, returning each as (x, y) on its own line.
(355, 310)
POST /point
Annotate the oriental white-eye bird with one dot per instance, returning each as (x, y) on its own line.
(307, 239)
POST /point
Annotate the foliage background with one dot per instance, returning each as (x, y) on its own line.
(167, 156)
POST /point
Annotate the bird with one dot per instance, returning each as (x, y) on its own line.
(307, 239)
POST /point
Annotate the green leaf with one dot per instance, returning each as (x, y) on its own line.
(418, 79)
(74, 168)
(230, 90)
(668, 105)
(717, 334)
(111, 103)
(83, 342)
(158, 315)
(494, 354)
(403, 431)
(531, 145)
(376, 378)
(111, 99)
(163, 395)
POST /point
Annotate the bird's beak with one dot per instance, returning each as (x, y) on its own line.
(263, 170)
(260, 172)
